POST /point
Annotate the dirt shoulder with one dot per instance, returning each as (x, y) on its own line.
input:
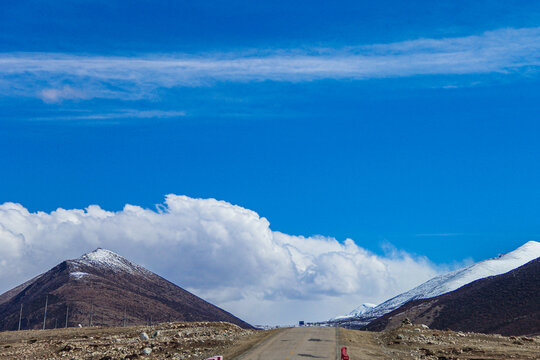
(417, 342)
(361, 345)
(245, 344)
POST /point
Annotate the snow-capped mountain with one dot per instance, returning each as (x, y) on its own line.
(449, 282)
(506, 304)
(362, 309)
(103, 288)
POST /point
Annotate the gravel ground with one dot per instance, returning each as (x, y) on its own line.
(190, 341)
(164, 341)
(418, 342)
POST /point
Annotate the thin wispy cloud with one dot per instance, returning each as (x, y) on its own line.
(440, 234)
(57, 77)
(122, 114)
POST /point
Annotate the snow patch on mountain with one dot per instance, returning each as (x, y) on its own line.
(107, 260)
(77, 275)
(454, 280)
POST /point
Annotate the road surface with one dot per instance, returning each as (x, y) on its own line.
(301, 343)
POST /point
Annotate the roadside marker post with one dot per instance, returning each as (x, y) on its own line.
(344, 355)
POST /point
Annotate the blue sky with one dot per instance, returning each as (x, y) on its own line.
(413, 124)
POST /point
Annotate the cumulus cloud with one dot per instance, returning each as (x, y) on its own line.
(222, 252)
(500, 51)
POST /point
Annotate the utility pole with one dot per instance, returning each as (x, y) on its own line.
(20, 317)
(91, 313)
(55, 323)
(124, 316)
(45, 315)
(67, 312)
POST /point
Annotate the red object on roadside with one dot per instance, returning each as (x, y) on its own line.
(344, 355)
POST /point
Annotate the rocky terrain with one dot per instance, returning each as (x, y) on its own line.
(415, 342)
(103, 288)
(204, 339)
(197, 340)
(507, 304)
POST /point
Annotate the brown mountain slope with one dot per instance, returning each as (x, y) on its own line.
(507, 304)
(101, 288)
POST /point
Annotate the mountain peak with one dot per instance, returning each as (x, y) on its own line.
(108, 260)
(100, 254)
(362, 309)
(527, 247)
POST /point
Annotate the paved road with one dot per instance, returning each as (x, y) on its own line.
(303, 343)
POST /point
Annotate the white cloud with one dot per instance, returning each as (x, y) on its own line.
(224, 253)
(499, 51)
(51, 95)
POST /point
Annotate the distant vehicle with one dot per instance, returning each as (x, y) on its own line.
(301, 323)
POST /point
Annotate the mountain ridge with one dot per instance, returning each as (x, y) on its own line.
(507, 304)
(448, 282)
